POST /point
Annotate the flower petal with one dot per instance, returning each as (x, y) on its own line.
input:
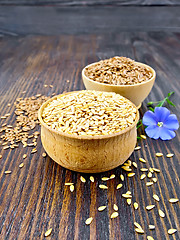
(149, 118)
(171, 122)
(166, 134)
(161, 113)
(153, 131)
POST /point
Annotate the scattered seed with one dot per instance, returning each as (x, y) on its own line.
(144, 169)
(34, 150)
(103, 186)
(68, 184)
(138, 230)
(119, 186)
(171, 231)
(48, 232)
(112, 176)
(82, 179)
(137, 225)
(21, 165)
(91, 178)
(154, 180)
(89, 221)
(136, 205)
(8, 172)
(137, 148)
(142, 160)
(151, 227)
(101, 208)
(151, 170)
(149, 184)
(9, 104)
(6, 147)
(159, 154)
(115, 207)
(122, 177)
(156, 170)
(44, 154)
(150, 207)
(114, 214)
(173, 200)
(104, 178)
(129, 201)
(169, 155)
(156, 197)
(142, 176)
(126, 168)
(143, 136)
(126, 195)
(51, 86)
(161, 213)
(0, 156)
(134, 164)
(150, 238)
(45, 85)
(25, 155)
(149, 175)
(71, 188)
(131, 174)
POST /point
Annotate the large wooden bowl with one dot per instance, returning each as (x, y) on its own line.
(89, 154)
(135, 93)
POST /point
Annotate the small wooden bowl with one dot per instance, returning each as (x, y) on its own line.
(89, 154)
(135, 93)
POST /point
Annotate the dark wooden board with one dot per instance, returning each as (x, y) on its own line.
(90, 2)
(23, 20)
(34, 198)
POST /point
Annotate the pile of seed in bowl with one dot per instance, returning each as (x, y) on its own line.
(89, 113)
(118, 71)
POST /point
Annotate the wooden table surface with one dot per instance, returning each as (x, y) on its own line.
(34, 198)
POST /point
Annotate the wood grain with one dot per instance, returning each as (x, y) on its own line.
(89, 2)
(50, 20)
(34, 198)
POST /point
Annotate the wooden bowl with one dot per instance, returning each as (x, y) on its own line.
(135, 93)
(89, 154)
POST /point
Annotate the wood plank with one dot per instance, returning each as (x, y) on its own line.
(20, 20)
(90, 2)
(34, 198)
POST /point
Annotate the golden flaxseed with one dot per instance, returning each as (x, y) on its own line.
(137, 148)
(131, 174)
(151, 227)
(143, 136)
(173, 200)
(82, 179)
(44, 154)
(169, 155)
(150, 207)
(48, 232)
(8, 172)
(101, 208)
(89, 221)
(119, 186)
(115, 207)
(155, 196)
(135, 205)
(21, 165)
(71, 188)
(158, 154)
(91, 178)
(142, 176)
(103, 186)
(161, 213)
(114, 214)
(172, 231)
(149, 184)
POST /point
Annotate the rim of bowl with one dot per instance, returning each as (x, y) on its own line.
(123, 86)
(82, 136)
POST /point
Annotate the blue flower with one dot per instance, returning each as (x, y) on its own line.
(161, 124)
